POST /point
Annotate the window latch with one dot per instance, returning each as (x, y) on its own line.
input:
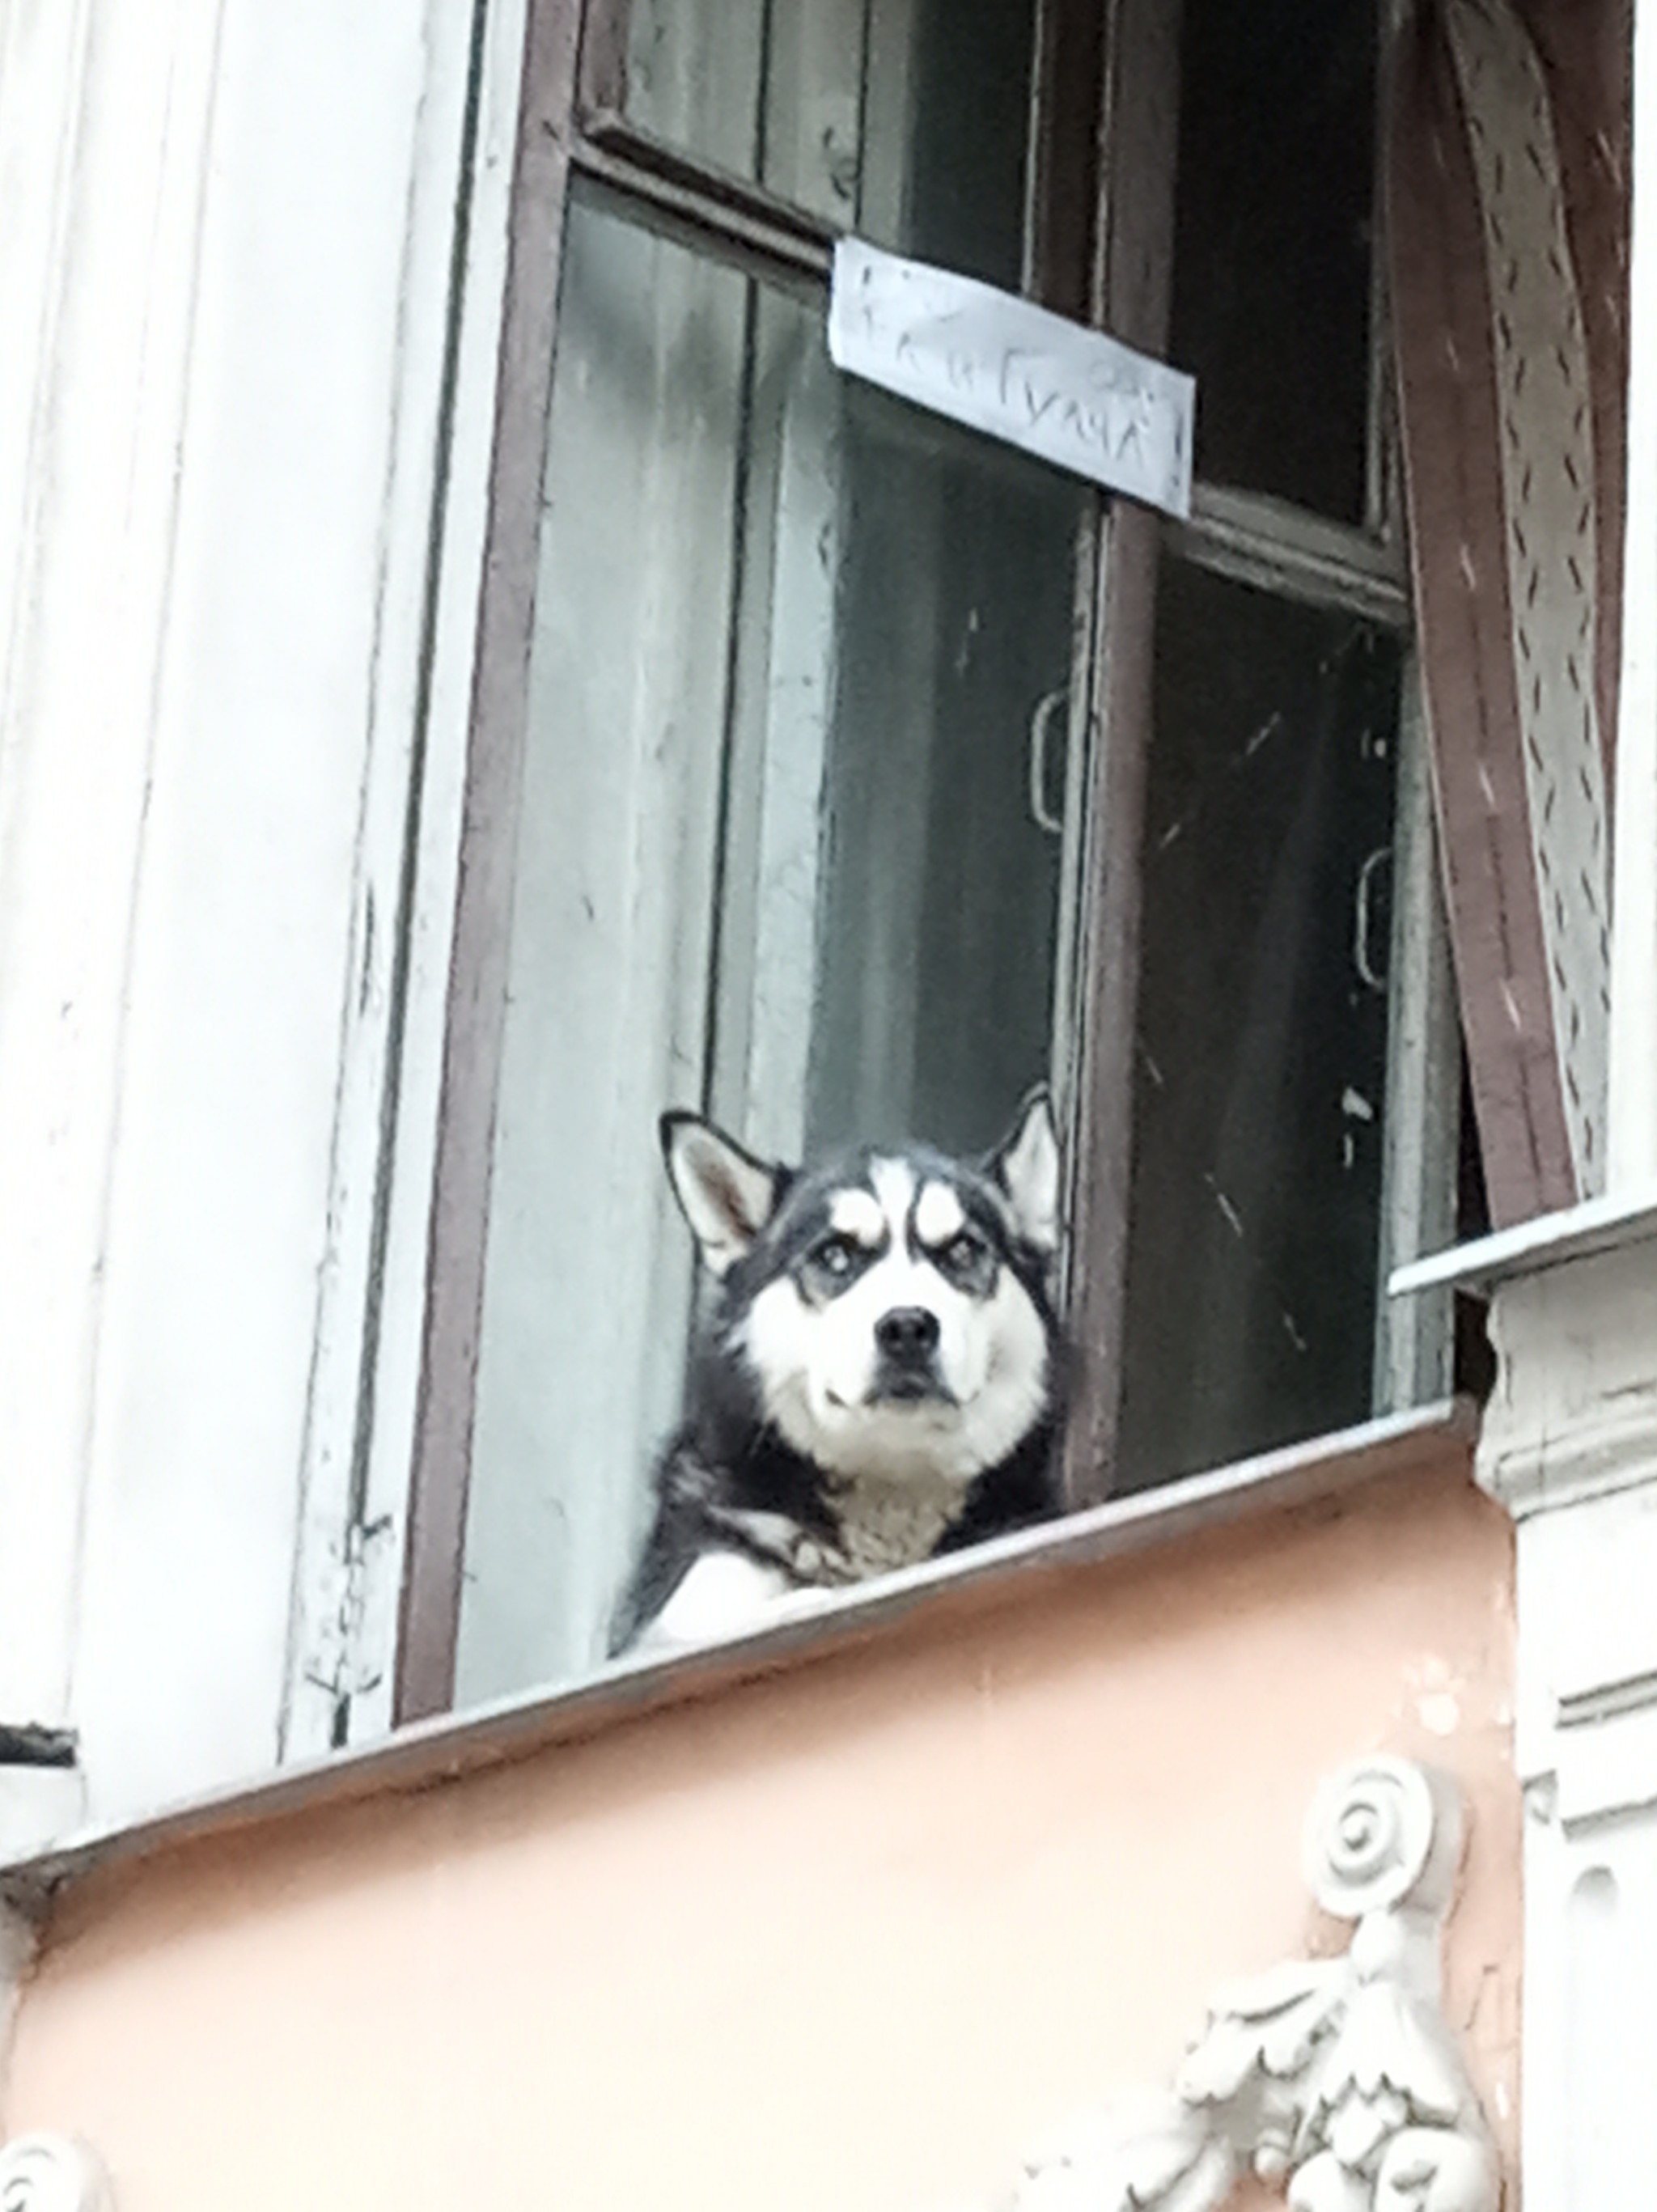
(1368, 953)
(1049, 707)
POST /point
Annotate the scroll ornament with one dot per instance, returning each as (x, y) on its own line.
(1339, 2075)
(51, 2174)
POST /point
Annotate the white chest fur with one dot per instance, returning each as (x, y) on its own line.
(884, 1525)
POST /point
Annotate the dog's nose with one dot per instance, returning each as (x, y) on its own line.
(906, 1332)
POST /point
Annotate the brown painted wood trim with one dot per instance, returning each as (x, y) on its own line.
(430, 1600)
(1451, 435)
(1061, 194)
(711, 209)
(602, 74)
(1132, 267)
(1091, 86)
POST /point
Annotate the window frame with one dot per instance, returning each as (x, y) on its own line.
(1098, 237)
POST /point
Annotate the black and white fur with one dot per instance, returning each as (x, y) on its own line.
(877, 1379)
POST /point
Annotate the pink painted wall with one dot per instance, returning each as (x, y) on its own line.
(849, 1939)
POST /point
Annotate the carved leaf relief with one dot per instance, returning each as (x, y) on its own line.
(1337, 2075)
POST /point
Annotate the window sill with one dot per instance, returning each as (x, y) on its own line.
(1550, 1240)
(454, 1745)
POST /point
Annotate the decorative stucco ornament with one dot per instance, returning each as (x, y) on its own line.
(51, 2174)
(1338, 2076)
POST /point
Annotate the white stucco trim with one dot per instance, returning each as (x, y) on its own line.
(1570, 1446)
(371, 1294)
(225, 270)
(106, 114)
(452, 646)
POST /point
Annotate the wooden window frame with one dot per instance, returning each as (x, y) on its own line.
(1098, 228)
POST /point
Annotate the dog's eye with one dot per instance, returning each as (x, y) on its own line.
(834, 1257)
(964, 1253)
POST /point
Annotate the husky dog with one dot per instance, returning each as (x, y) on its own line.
(877, 1379)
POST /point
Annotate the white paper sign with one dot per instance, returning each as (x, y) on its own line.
(985, 358)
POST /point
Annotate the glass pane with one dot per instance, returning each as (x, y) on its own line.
(905, 121)
(777, 855)
(1260, 1075)
(1272, 241)
(938, 885)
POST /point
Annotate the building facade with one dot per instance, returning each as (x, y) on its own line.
(476, 675)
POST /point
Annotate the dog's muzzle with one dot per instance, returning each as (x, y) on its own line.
(906, 1371)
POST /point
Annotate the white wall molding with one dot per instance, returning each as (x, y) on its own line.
(226, 237)
(106, 109)
(345, 1650)
(1569, 1447)
(438, 811)
(1337, 2078)
(278, 747)
(1574, 1412)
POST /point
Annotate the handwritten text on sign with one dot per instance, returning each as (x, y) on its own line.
(1072, 396)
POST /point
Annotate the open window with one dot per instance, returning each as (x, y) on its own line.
(841, 772)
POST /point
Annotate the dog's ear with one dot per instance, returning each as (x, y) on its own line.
(1025, 1163)
(725, 1194)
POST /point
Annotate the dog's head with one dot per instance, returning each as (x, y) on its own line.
(890, 1308)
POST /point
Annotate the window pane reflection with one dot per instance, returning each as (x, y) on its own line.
(1262, 1032)
(1272, 244)
(904, 120)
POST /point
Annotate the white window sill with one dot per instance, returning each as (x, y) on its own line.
(1577, 1232)
(796, 1630)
